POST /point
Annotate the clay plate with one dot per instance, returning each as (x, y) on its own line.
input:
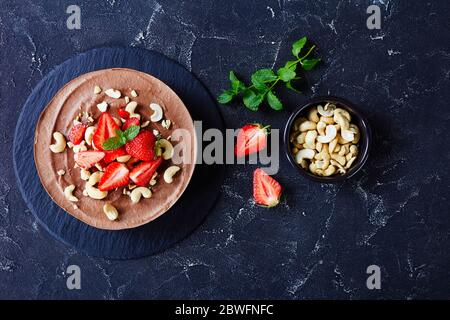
(78, 96)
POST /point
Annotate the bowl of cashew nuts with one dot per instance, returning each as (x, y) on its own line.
(327, 139)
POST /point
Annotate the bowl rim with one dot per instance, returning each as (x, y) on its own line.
(366, 135)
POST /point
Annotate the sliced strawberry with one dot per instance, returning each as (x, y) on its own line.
(87, 159)
(116, 175)
(251, 138)
(142, 146)
(132, 162)
(112, 155)
(266, 190)
(76, 135)
(143, 172)
(123, 113)
(106, 129)
(131, 122)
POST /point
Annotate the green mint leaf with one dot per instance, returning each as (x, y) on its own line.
(286, 74)
(259, 86)
(308, 64)
(236, 84)
(273, 101)
(291, 65)
(252, 100)
(225, 97)
(120, 134)
(131, 132)
(298, 46)
(113, 143)
(264, 75)
(290, 87)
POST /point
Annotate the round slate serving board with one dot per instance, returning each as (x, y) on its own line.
(188, 212)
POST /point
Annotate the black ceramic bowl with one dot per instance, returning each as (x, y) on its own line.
(357, 118)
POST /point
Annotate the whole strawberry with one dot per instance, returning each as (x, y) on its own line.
(142, 147)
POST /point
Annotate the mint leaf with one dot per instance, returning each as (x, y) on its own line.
(298, 46)
(286, 74)
(273, 101)
(113, 143)
(252, 100)
(292, 65)
(264, 75)
(290, 87)
(308, 64)
(236, 84)
(131, 132)
(259, 86)
(225, 97)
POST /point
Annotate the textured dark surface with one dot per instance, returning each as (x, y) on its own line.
(189, 211)
(320, 240)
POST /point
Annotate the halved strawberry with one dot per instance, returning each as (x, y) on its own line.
(251, 138)
(143, 172)
(76, 135)
(123, 113)
(131, 122)
(142, 146)
(106, 129)
(116, 175)
(111, 155)
(266, 190)
(87, 159)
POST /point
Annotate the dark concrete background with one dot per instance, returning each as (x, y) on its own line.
(320, 240)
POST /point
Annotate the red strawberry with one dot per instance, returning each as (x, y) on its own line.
(106, 129)
(143, 172)
(251, 138)
(131, 122)
(76, 135)
(142, 146)
(112, 155)
(87, 159)
(266, 190)
(116, 175)
(123, 113)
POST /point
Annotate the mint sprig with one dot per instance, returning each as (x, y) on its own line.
(121, 138)
(264, 80)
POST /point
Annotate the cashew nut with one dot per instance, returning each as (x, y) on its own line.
(110, 211)
(355, 130)
(92, 191)
(353, 150)
(350, 162)
(326, 111)
(301, 138)
(341, 120)
(124, 158)
(130, 108)
(333, 144)
(344, 113)
(133, 93)
(157, 112)
(167, 148)
(323, 164)
(113, 93)
(102, 107)
(347, 135)
(298, 122)
(310, 139)
(321, 127)
(331, 132)
(338, 158)
(60, 144)
(80, 147)
(89, 135)
(313, 167)
(68, 193)
(343, 150)
(139, 192)
(304, 154)
(328, 171)
(319, 146)
(166, 123)
(170, 172)
(341, 169)
(307, 125)
(97, 89)
(327, 120)
(312, 115)
(85, 174)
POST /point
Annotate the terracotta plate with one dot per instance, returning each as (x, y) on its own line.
(78, 96)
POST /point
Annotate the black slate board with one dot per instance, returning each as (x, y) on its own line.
(189, 211)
